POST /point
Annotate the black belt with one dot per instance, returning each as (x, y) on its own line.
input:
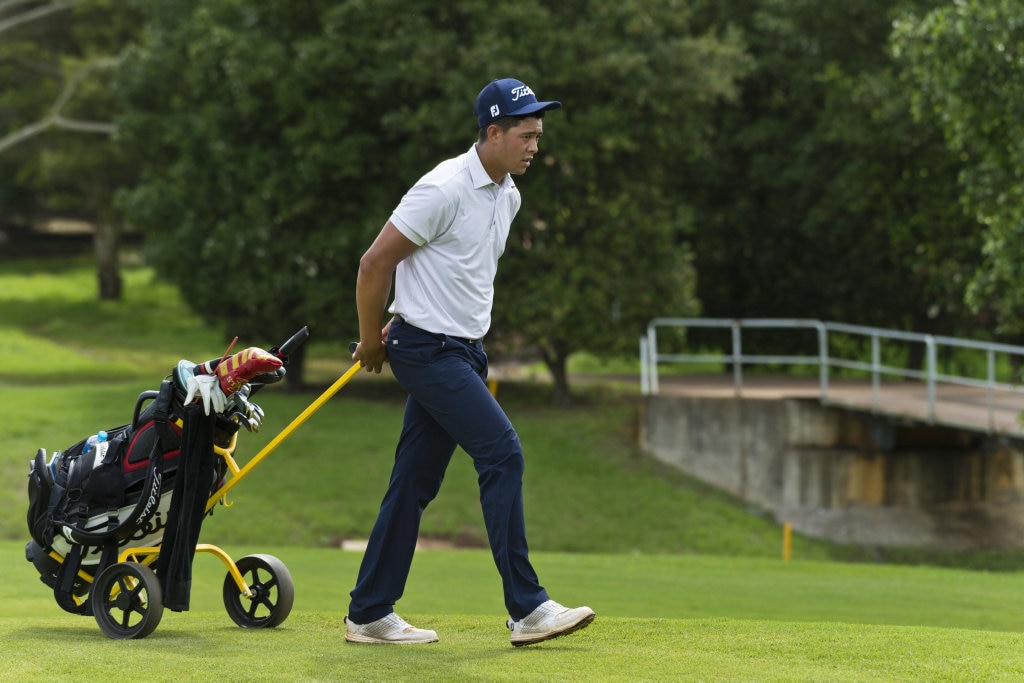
(464, 340)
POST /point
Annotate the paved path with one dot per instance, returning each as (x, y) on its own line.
(955, 405)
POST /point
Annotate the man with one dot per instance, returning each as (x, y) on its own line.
(442, 243)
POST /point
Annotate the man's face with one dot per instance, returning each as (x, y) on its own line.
(518, 145)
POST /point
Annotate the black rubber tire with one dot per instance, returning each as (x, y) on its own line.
(273, 592)
(127, 600)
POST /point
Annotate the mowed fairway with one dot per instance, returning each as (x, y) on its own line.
(687, 583)
(659, 618)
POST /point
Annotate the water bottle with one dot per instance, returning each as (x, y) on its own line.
(94, 441)
(54, 464)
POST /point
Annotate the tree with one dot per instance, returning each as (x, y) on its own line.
(964, 63)
(602, 244)
(55, 117)
(823, 197)
(276, 138)
(14, 13)
(251, 153)
(55, 130)
(20, 96)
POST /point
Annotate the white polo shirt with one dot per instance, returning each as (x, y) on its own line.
(460, 219)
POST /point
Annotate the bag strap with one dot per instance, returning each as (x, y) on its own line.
(64, 585)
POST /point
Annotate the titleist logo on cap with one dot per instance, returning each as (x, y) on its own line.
(521, 91)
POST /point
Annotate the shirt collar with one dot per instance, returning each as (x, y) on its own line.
(479, 174)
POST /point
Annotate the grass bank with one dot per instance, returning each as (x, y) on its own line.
(81, 363)
(76, 365)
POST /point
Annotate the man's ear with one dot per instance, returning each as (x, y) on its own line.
(493, 132)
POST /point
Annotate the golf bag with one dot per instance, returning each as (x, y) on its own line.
(147, 485)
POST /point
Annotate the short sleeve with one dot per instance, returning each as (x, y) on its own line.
(424, 213)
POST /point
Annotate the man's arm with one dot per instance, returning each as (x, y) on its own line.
(373, 284)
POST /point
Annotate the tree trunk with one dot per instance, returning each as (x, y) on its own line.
(107, 242)
(556, 363)
(294, 380)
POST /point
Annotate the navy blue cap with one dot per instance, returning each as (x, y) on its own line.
(507, 97)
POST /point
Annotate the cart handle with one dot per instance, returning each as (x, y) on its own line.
(284, 434)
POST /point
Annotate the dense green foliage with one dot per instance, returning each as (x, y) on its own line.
(964, 63)
(277, 139)
(746, 158)
(824, 198)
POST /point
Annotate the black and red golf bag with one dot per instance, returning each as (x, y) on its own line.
(147, 485)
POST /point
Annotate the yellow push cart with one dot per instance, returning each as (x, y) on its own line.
(111, 532)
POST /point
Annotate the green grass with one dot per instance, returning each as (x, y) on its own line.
(587, 488)
(687, 582)
(659, 618)
(585, 482)
(56, 331)
(585, 477)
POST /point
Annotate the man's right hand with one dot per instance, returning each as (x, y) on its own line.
(371, 355)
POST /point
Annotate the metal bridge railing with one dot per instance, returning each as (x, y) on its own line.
(872, 362)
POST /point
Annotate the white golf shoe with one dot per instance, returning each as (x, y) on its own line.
(391, 629)
(550, 620)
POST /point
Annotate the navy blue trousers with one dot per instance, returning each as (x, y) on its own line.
(449, 405)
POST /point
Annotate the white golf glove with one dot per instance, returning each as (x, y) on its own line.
(208, 387)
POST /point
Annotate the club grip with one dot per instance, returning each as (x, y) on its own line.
(293, 343)
(352, 347)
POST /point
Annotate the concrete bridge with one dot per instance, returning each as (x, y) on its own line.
(893, 457)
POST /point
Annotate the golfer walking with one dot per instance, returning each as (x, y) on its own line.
(442, 244)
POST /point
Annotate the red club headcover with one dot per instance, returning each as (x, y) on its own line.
(233, 372)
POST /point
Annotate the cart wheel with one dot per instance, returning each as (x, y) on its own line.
(127, 600)
(272, 588)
